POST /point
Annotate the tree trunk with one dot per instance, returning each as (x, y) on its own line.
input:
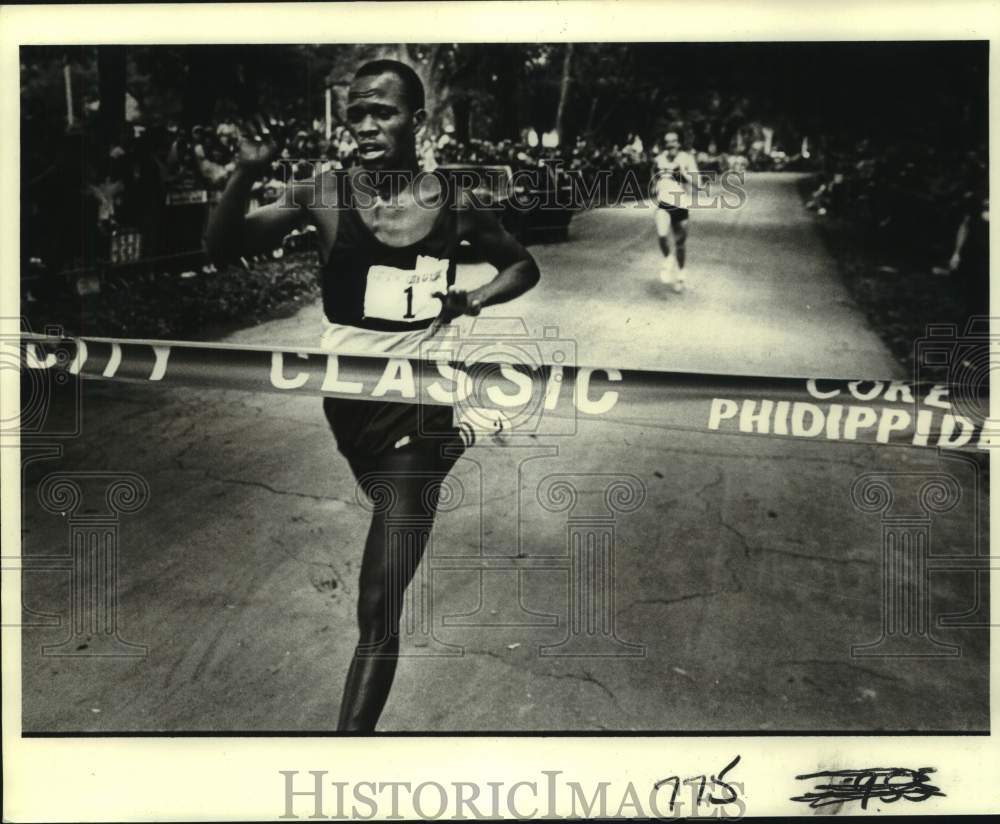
(564, 90)
(111, 91)
(507, 91)
(248, 80)
(432, 88)
(200, 85)
(461, 110)
(589, 130)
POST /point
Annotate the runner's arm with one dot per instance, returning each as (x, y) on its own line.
(689, 171)
(517, 271)
(233, 233)
(960, 237)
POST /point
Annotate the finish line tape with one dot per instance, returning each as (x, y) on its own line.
(522, 397)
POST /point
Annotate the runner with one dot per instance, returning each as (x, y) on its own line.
(388, 240)
(676, 179)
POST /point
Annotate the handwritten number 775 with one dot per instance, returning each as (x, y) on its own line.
(702, 782)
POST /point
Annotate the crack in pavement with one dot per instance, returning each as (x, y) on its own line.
(208, 473)
(858, 667)
(747, 549)
(466, 504)
(719, 520)
(710, 484)
(722, 523)
(807, 556)
(491, 654)
(587, 677)
(138, 413)
(179, 457)
(691, 596)
(290, 554)
(169, 421)
(651, 445)
(737, 580)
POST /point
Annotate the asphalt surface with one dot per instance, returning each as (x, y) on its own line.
(740, 583)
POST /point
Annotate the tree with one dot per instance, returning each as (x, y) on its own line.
(111, 92)
(564, 88)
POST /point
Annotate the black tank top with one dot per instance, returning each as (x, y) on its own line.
(387, 288)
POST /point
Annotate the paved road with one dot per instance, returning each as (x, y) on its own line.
(739, 584)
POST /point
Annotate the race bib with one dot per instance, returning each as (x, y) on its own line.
(405, 294)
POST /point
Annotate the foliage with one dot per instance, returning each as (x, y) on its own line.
(166, 305)
(495, 90)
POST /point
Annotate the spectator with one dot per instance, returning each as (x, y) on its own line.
(970, 264)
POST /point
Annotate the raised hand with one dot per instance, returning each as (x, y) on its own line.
(256, 152)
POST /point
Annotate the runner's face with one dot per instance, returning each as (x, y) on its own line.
(380, 119)
(672, 144)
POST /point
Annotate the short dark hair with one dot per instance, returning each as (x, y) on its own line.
(413, 88)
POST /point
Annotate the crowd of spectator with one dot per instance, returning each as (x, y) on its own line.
(928, 204)
(911, 192)
(206, 157)
(152, 166)
(913, 195)
(149, 168)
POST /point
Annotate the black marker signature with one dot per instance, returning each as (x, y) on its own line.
(885, 784)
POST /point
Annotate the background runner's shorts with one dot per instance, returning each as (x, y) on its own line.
(676, 213)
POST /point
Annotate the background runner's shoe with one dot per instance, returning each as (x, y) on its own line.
(667, 270)
(679, 281)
